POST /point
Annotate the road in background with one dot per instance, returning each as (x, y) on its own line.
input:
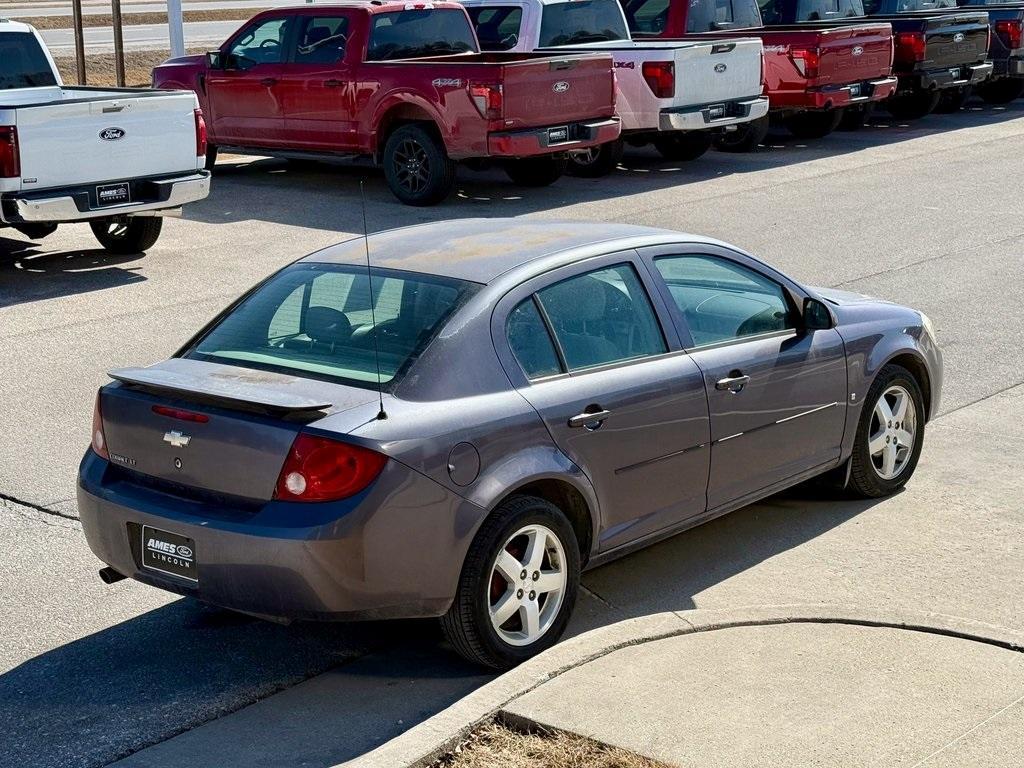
(61, 42)
(100, 8)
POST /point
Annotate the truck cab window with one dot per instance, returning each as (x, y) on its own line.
(823, 10)
(712, 15)
(582, 21)
(497, 27)
(23, 63)
(647, 16)
(262, 43)
(321, 40)
(418, 33)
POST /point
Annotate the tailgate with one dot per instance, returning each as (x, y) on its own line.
(855, 53)
(718, 70)
(558, 90)
(85, 137)
(960, 38)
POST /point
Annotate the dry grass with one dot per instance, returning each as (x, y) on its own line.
(105, 19)
(99, 67)
(498, 746)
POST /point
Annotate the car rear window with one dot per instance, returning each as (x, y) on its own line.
(712, 15)
(316, 320)
(497, 27)
(23, 63)
(816, 10)
(582, 21)
(420, 32)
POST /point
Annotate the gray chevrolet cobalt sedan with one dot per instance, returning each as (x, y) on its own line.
(503, 404)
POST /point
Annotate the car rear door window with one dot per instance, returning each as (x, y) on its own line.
(722, 300)
(497, 27)
(321, 39)
(530, 341)
(602, 317)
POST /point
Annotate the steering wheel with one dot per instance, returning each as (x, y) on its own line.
(269, 42)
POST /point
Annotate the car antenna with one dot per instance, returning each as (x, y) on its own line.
(381, 414)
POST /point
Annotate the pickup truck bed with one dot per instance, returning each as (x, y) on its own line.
(1006, 50)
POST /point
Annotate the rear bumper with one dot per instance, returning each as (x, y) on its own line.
(1008, 67)
(394, 551)
(148, 196)
(554, 138)
(851, 94)
(717, 115)
(952, 77)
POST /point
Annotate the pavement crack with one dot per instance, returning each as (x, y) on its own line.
(968, 732)
(38, 507)
(593, 594)
(982, 399)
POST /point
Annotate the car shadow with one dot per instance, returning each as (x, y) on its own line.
(28, 273)
(327, 195)
(345, 689)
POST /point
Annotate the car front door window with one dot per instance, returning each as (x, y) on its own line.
(262, 43)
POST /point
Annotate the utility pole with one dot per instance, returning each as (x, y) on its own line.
(76, 8)
(118, 42)
(176, 28)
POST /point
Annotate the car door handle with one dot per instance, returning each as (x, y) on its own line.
(588, 418)
(268, 81)
(333, 83)
(734, 382)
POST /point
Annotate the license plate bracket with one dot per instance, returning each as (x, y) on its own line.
(855, 90)
(169, 553)
(113, 194)
(558, 135)
(956, 73)
(716, 111)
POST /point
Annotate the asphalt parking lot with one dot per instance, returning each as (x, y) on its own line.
(927, 214)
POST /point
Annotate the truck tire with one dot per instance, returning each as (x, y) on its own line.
(814, 125)
(417, 167)
(135, 234)
(595, 162)
(683, 146)
(854, 118)
(211, 157)
(952, 99)
(912, 105)
(745, 138)
(1002, 91)
(536, 171)
(36, 231)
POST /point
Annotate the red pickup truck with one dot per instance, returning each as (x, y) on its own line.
(812, 75)
(402, 83)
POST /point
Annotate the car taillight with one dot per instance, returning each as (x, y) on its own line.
(177, 413)
(1010, 32)
(660, 77)
(321, 469)
(99, 440)
(910, 46)
(489, 100)
(806, 61)
(200, 134)
(10, 157)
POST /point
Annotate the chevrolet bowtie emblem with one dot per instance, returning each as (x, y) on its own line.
(176, 439)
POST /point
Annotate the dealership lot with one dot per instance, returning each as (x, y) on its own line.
(920, 214)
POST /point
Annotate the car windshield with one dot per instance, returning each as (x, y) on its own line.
(582, 21)
(420, 32)
(23, 63)
(316, 320)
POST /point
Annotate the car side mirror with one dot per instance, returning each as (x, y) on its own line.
(214, 60)
(816, 315)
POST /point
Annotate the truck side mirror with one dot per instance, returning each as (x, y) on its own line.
(214, 60)
(816, 315)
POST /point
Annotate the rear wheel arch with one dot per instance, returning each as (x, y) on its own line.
(569, 499)
(404, 114)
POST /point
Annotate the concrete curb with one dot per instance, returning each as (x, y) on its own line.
(434, 737)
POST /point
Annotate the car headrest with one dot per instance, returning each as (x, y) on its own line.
(315, 35)
(582, 299)
(327, 325)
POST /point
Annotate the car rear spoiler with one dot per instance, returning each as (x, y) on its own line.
(223, 390)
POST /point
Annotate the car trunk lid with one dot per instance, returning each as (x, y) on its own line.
(563, 89)
(853, 54)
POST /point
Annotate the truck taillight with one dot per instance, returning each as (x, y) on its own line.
(806, 61)
(489, 100)
(10, 157)
(321, 469)
(200, 134)
(661, 78)
(99, 439)
(1010, 32)
(910, 46)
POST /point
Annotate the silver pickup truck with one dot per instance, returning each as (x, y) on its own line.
(117, 159)
(675, 94)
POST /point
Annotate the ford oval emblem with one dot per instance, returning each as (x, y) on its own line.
(720, 68)
(958, 37)
(184, 551)
(857, 50)
(112, 134)
(560, 87)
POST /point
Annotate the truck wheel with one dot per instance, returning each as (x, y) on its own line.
(854, 118)
(36, 231)
(536, 171)
(683, 146)
(952, 99)
(814, 125)
(417, 167)
(597, 161)
(518, 584)
(211, 157)
(912, 105)
(135, 234)
(745, 138)
(1002, 91)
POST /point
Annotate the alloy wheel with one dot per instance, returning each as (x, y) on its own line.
(412, 166)
(893, 432)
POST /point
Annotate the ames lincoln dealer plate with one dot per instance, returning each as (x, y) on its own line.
(169, 553)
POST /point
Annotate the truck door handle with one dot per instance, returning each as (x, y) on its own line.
(268, 81)
(332, 83)
(592, 418)
(734, 382)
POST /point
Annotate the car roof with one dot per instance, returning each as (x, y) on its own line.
(479, 250)
(371, 6)
(6, 25)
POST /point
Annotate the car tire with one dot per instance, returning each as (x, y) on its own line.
(855, 118)
(536, 171)
(683, 146)
(913, 105)
(417, 167)
(211, 157)
(814, 125)
(953, 99)
(1002, 91)
(136, 234)
(469, 624)
(870, 474)
(746, 138)
(595, 162)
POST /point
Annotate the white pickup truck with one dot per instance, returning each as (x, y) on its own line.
(116, 158)
(676, 95)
